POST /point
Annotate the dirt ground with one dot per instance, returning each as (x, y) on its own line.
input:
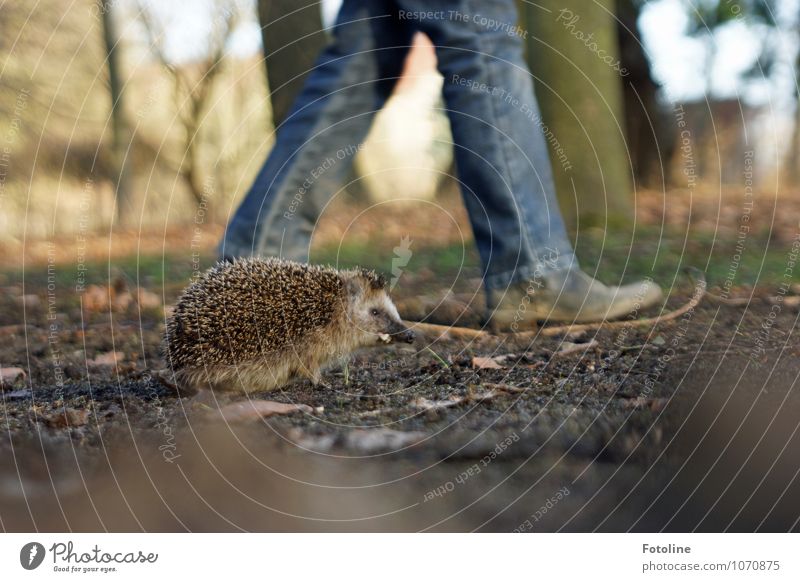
(691, 424)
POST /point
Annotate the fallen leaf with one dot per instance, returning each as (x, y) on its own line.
(117, 298)
(371, 441)
(122, 301)
(315, 443)
(481, 363)
(29, 300)
(107, 359)
(425, 404)
(792, 301)
(257, 409)
(148, 299)
(14, 328)
(66, 417)
(10, 375)
(95, 298)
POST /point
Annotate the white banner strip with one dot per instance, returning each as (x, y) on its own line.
(406, 557)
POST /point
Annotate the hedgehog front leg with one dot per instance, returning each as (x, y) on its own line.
(313, 372)
(311, 368)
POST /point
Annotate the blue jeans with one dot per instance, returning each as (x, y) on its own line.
(500, 151)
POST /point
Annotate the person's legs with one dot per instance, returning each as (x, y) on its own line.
(316, 144)
(530, 270)
(501, 154)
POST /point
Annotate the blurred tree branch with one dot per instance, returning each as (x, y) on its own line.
(120, 127)
(193, 84)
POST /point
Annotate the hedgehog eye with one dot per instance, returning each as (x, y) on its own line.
(374, 312)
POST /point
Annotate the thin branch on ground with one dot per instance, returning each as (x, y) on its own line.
(447, 332)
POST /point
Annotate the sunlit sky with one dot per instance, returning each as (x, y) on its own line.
(679, 61)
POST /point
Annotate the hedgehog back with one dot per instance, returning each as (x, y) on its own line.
(245, 310)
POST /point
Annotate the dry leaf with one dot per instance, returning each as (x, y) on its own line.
(257, 409)
(29, 300)
(10, 375)
(66, 417)
(425, 404)
(485, 363)
(117, 297)
(13, 329)
(371, 441)
(95, 298)
(148, 299)
(504, 358)
(121, 301)
(316, 443)
(107, 359)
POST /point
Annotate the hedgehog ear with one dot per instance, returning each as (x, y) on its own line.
(375, 281)
(378, 282)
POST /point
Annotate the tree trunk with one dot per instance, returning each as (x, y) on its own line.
(649, 128)
(119, 122)
(573, 53)
(793, 161)
(293, 38)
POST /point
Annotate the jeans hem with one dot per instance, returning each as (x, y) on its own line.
(529, 272)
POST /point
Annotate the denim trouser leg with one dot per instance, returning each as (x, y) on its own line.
(316, 144)
(500, 150)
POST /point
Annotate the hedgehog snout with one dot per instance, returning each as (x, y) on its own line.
(400, 333)
(407, 336)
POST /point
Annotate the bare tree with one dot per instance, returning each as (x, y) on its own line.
(120, 127)
(649, 127)
(573, 52)
(193, 84)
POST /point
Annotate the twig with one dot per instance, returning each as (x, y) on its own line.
(699, 293)
(425, 404)
(447, 331)
(468, 333)
(506, 388)
(574, 349)
(790, 300)
(733, 301)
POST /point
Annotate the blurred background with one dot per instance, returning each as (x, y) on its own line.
(131, 129)
(139, 116)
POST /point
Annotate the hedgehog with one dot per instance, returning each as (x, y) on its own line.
(254, 325)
